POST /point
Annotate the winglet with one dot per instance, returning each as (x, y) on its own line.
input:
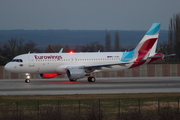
(61, 50)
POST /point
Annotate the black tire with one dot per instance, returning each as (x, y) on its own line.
(27, 80)
(91, 79)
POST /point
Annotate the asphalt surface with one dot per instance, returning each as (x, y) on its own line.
(82, 86)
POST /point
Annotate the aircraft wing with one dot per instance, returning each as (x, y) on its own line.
(107, 64)
(97, 66)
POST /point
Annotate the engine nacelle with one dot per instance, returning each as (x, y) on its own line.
(75, 73)
(48, 75)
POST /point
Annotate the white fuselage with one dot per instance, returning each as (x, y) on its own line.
(59, 62)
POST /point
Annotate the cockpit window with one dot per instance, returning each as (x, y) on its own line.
(17, 60)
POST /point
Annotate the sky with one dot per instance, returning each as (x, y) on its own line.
(86, 14)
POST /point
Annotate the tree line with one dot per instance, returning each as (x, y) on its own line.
(14, 47)
(107, 47)
(17, 46)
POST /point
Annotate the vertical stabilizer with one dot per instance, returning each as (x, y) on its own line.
(147, 46)
(149, 41)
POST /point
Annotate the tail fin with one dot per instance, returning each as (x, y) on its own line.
(147, 46)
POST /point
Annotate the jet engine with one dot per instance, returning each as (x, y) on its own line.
(48, 75)
(75, 73)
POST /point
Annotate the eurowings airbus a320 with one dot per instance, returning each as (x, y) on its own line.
(79, 65)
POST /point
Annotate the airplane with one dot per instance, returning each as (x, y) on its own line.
(80, 65)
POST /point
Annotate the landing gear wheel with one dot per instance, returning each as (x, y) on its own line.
(27, 80)
(72, 80)
(91, 79)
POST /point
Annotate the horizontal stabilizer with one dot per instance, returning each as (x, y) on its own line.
(169, 55)
(162, 55)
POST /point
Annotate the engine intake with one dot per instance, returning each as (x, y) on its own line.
(75, 73)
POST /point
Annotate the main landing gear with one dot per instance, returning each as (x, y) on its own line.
(27, 80)
(91, 79)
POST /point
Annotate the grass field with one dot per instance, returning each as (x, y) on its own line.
(99, 106)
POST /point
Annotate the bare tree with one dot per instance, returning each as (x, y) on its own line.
(93, 47)
(14, 47)
(108, 42)
(78, 48)
(2, 58)
(30, 46)
(174, 35)
(20, 44)
(66, 49)
(117, 42)
(10, 48)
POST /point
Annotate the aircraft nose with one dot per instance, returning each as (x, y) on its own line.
(7, 67)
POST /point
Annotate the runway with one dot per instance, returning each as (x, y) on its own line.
(82, 86)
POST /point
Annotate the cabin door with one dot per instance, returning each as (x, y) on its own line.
(31, 61)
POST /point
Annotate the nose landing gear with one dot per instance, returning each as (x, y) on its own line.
(28, 76)
(27, 80)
